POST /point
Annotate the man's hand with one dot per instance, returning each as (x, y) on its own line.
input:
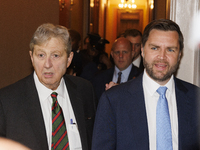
(109, 85)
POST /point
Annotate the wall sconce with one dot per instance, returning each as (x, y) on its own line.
(91, 3)
(72, 2)
(63, 4)
(151, 3)
(128, 4)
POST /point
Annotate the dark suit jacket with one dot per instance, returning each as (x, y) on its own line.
(141, 67)
(105, 77)
(21, 116)
(121, 121)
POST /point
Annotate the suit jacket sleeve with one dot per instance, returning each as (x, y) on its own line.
(2, 121)
(104, 128)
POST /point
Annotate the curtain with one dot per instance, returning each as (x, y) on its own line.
(182, 12)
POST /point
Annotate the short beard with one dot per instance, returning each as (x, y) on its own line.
(165, 77)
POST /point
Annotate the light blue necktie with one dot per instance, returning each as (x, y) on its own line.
(163, 125)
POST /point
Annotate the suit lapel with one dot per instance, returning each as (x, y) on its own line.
(134, 72)
(34, 114)
(138, 118)
(77, 106)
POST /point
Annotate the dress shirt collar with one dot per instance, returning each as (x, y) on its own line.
(45, 92)
(137, 61)
(152, 86)
(125, 73)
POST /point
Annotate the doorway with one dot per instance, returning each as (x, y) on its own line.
(129, 20)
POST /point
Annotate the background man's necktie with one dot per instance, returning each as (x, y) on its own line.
(163, 125)
(119, 77)
(59, 132)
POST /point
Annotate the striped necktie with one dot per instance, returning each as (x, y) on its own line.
(59, 132)
(163, 125)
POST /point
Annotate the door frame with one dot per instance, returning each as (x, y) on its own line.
(123, 14)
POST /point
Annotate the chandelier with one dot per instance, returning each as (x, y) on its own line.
(127, 4)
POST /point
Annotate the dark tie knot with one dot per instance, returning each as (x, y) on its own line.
(162, 90)
(54, 97)
(119, 77)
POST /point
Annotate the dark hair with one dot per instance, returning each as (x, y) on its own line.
(75, 36)
(132, 32)
(164, 25)
(97, 42)
(84, 41)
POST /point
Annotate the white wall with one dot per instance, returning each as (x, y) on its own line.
(181, 11)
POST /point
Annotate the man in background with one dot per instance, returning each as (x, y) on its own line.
(123, 70)
(135, 37)
(75, 67)
(94, 58)
(48, 109)
(156, 110)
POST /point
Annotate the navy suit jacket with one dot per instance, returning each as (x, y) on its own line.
(141, 67)
(105, 77)
(121, 121)
(21, 117)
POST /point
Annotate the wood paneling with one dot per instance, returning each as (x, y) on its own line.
(18, 21)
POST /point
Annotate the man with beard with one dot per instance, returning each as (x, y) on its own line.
(155, 110)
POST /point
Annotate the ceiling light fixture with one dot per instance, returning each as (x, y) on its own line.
(128, 4)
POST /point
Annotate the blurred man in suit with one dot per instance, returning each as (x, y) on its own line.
(75, 67)
(122, 54)
(48, 109)
(156, 110)
(135, 37)
(94, 58)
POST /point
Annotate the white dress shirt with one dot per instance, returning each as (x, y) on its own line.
(137, 61)
(124, 76)
(64, 102)
(151, 99)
